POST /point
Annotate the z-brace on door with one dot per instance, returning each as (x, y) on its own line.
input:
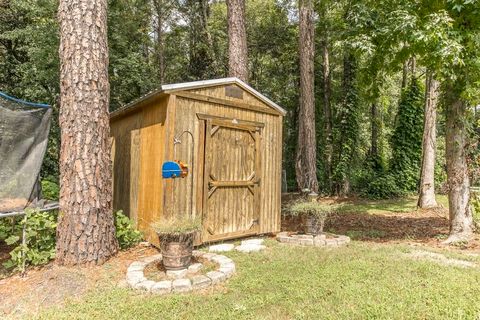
(231, 194)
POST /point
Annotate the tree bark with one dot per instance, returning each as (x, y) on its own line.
(306, 160)
(86, 231)
(426, 198)
(237, 40)
(327, 113)
(461, 221)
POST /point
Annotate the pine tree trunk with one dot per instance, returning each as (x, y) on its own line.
(86, 232)
(461, 222)
(305, 165)
(237, 40)
(327, 113)
(426, 198)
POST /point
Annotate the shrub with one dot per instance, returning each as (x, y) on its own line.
(40, 231)
(50, 189)
(384, 186)
(126, 234)
(39, 248)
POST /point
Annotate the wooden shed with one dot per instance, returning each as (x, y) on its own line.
(230, 136)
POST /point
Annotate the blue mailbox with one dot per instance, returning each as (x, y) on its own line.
(174, 169)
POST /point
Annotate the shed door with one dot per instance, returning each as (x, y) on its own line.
(231, 194)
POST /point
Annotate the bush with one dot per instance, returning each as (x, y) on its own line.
(126, 234)
(39, 248)
(384, 186)
(41, 228)
(50, 189)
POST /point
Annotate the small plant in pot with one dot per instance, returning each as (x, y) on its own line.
(315, 214)
(176, 235)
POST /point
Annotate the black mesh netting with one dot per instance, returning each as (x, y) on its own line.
(24, 131)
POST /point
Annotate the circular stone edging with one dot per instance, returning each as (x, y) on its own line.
(311, 240)
(136, 278)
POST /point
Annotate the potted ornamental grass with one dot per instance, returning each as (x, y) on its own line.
(176, 235)
(314, 213)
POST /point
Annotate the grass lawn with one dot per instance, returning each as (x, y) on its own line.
(395, 268)
(361, 281)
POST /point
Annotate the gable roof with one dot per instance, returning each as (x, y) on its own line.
(171, 88)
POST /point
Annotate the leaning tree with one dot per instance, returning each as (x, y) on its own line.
(86, 231)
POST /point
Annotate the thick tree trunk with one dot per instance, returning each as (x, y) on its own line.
(327, 113)
(305, 165)
(461, 222)
(237, 40)
(86, 231)
(426, 197)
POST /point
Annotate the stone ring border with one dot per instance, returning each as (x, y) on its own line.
(136, 278)
(310, 240)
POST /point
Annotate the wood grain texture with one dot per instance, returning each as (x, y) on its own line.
(244, 164)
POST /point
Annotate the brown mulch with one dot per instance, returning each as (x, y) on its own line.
(52, 284)
(427, 227)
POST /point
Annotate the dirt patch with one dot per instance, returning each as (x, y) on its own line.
(440, 259)
(53, 285)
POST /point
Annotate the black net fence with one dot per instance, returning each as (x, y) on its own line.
(24, 128)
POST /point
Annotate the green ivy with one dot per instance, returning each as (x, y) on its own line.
(407, 139)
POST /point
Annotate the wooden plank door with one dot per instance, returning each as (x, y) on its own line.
(231, 196)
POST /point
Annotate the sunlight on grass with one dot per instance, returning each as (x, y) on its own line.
(362, 281)
(388, 206)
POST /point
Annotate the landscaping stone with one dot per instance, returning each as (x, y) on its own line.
(228, 269)
(136, 279)
(145, 285)
(310, 240)
(195, 267)
(201, 282)
(152, 258)
(216, 276)
(221, 259)
(252, 241)
(246, 248)
(177, 274)
(162, 287)
(221, 247)
(181, 285)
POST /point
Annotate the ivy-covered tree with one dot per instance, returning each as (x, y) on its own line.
(407, 138)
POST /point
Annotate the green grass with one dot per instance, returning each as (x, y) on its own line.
(407, 204)
(362, 281)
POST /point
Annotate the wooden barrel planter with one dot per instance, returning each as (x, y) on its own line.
(176, 250)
